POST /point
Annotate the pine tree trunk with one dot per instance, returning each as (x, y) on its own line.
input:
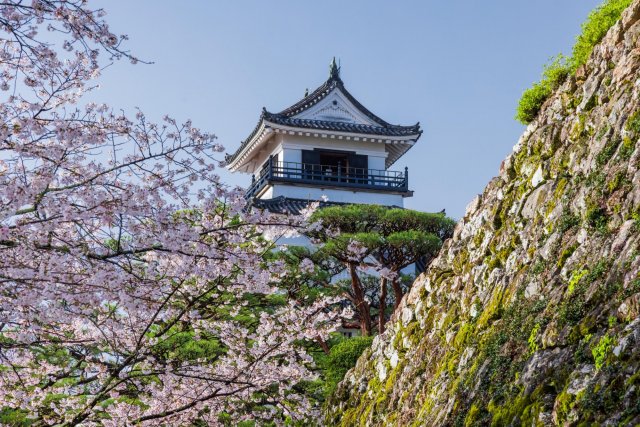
(383, 305)
(397, 293)
(362, 307)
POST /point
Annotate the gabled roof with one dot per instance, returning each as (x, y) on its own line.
(291, 118)
(389, 130)
(326, 88)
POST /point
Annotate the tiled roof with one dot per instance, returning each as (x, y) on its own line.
(285, 117)
(287, 205)
(389, 130)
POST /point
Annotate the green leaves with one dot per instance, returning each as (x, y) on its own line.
(343, 356)
(593, 30)
(396, 237)
(182, 344)
(554, 74)
(601, 351)
(420, 240)
(366, 218)
(350, 218)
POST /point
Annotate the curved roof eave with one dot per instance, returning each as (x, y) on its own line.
(286, 117)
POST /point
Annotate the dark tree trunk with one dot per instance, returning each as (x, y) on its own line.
(383, 305)
(323, 344)
(397, 292)
(362, 307)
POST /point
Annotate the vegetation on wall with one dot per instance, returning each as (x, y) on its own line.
(342, 357)
(530, 315)
(532, 99)
(593, 30)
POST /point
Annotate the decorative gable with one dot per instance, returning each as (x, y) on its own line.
(336, 107)
(330, 111)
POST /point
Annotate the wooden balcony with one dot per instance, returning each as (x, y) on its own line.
(329, 176)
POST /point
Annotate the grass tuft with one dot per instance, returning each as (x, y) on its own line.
(556, 71)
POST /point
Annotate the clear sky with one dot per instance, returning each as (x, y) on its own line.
(456, 66)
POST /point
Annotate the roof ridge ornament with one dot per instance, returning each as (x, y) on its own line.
(334, 70)
(289, 119)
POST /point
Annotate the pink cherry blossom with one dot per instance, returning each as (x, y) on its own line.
(115, 232)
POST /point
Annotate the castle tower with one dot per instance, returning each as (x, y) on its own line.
(325, 145)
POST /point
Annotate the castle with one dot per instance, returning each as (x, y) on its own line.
(326, 147)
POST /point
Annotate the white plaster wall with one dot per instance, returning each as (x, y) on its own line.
(273, 148)
(336, 106)
(268, 194)
(288, 148)
(292, 155)
(335, 195)
(296, 142)
(376, 162)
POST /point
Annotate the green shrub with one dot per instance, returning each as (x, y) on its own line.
(556, 71)
(15, 417)
(342, 357)
(531, 102)
(554, 74)
(593, 30)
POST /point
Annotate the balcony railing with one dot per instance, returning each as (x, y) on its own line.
(329, 176)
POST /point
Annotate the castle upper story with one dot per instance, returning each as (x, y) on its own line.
(327, 145)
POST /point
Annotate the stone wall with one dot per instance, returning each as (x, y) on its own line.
(529, 316)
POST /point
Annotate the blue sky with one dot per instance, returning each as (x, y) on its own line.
(457, 66)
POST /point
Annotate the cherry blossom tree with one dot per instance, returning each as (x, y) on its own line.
(124, 261)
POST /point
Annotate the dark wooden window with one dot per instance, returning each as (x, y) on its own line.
(334, 165)
(358, 168)
(310, 163)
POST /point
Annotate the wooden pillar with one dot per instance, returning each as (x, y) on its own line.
(406, 178)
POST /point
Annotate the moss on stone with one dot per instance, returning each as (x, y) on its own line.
(565, 254)
(626, 149)
(491, 311)
(575, 278)
(472, 416)
(602, 350)
(510, 360)
(461, 259)
(478, 238)
(564, 403)
(578, 129)
(607, 152)
(633, 123)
